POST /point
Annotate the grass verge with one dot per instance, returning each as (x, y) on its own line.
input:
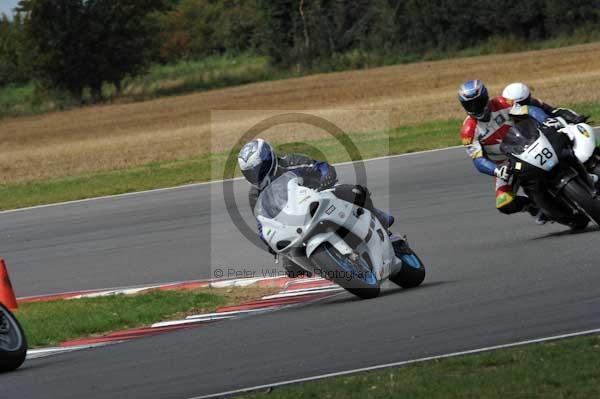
(207, 167)
(559, 369)
(48, 323)
(401, 140)
(188, 76)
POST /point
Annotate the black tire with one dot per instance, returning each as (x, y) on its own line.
(13, 344)
(408, 276)
(328, 260)
(583, 200)
(557, 211)
(580, 224)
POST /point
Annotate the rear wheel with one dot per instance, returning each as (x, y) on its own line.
(557, 211)
(580, 224)
(354, 276)
(412, 272)
(587, 204)
(13, 345)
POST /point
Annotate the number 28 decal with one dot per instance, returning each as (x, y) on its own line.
(543, 156)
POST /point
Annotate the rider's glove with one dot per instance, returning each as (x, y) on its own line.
(327, 176)
(327, 182)
(554, 123)
(502, 172)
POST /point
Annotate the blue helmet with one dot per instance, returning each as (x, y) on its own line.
(474, 98)
(258, 162)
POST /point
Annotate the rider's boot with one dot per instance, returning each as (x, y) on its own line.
(539, 217)
(386, 219)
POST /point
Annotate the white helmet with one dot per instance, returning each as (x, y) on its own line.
(517, 92)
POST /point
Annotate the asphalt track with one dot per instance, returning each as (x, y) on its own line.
(491, 280)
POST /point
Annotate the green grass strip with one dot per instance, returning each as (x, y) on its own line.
(208, 167)
(560, 369)
(48, 323)
(401, 140)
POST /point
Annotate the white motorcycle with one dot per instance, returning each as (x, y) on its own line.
(334, 239)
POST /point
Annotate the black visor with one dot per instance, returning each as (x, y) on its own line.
(257, 174)
(477, 106)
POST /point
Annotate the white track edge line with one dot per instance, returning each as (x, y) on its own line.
(219, 181)
(43, 352)
(33, 354)
(302, 293)
(231, 313)
(397, 364)
(184, 322)
(120, 290)
(157, 190)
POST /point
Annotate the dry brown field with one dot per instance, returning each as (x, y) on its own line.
(119, 136)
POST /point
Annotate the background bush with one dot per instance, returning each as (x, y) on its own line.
(86, 49)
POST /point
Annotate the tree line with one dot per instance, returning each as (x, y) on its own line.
(76, 44)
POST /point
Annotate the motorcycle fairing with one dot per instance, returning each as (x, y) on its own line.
(299, 224)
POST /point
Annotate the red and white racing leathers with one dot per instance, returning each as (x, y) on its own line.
(482, 141)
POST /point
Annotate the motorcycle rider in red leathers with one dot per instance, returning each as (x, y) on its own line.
(482, 132)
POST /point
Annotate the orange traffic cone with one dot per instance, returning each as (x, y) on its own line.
(7, 295)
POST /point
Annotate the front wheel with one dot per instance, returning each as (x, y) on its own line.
(582, 199)
(354, 276)
(13, 345)
(412, 272)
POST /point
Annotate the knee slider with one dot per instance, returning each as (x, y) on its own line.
(513, 205)
(508, 209)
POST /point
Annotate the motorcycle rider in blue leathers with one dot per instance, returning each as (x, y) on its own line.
(520, 94)
(260, 166)
(526, 106)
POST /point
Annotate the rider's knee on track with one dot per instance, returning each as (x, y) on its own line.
(508, 204)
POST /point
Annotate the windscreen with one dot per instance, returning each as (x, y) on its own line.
(273, 199)
(520, 137)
